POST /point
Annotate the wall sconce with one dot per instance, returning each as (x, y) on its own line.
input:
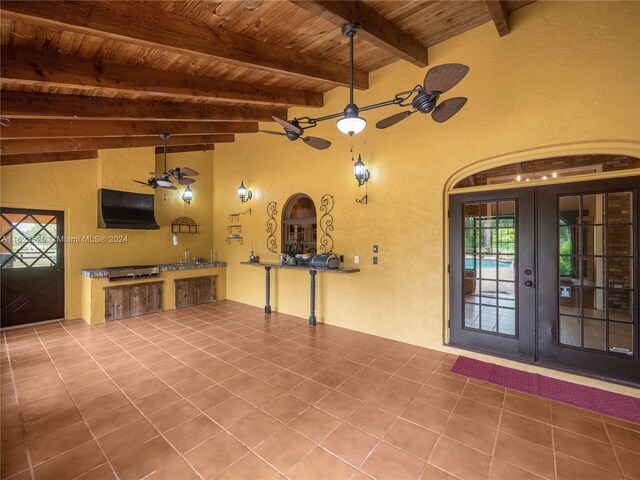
(174, 239)
(361, 172)
(244, 195)
(187, 196)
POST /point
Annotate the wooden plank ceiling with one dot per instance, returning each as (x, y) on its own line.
(82, 76)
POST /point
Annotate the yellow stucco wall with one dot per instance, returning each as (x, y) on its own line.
(72, 187)
(567, 74)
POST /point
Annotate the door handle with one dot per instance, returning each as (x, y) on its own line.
(528, 283)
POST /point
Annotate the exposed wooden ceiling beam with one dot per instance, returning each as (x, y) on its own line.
(374, 28)
(47, 157)
(47, 145)
(185, 148)
(39, 128)
(136, 23)
(23, 66)
(40, 105)
(500, 15)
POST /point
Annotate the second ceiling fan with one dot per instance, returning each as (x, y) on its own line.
(164, 179)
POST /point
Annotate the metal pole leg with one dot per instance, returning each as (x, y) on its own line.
(267, 307)
(312, 303)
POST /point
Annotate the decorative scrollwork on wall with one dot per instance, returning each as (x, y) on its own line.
(326, 224)
(272, 226)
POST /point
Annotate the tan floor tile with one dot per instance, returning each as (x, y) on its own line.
(373, 375)
(526, 455)
(285, 407)
(314, 424)
(193, 385)
(389, 400)
(411, 438)
(13, 461)
(216, 454)
(229, 412)
(540, 411)
(157, 401)
(478, 412)
(261, 394)
(484, 395)
(625, 438)
(529, 429)
(42, 408)
(471, 433)
(284, 449)
(72, 463)
(192, 433)
(176, 469)
(144, 388)
(437, 398)
(630, 463)
(110, 420)
(265, 371)
(587, 449)
(101, 472)
(95, 390)
(254, 428)
(240, 383)
(249, 467)
(51, 423)
(309, 391)
(144, 459)
(570, 468)
(330, 377)
(414, 373)
(321, 465)
(590, 427)
(175, 414)
(433, 473)
(426, 416)
(286, 380)
(389, 462)
(350, 443)
(501, 470)
(98, 405)
(210, 397)
(448, 454)
(357, 388)
(371, 420)
(448, 384)
(49, 446)
(338, 404)
(127, 438)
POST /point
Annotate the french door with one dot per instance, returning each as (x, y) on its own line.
(549, 275)
(32, 261)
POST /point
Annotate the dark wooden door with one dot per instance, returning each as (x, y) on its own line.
(492, 272)
(588, 316)
(32, 259)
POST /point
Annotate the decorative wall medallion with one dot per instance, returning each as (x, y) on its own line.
(326, 224)
(272, 226)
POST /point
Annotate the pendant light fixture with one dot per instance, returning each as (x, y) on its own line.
(187, 196)
(352, 123)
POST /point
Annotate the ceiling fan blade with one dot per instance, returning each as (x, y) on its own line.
(393, 119)
(444, 77)
(188, 171)
(288, 126)
(448, 109)
(185, 181)
(270, 132)
(317, 143)
(142, 183)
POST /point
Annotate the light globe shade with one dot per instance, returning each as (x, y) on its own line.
(351, 125)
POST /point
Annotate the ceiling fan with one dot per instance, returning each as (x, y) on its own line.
(163, 179)
(293, 131)
(423, 99)
(437, 81)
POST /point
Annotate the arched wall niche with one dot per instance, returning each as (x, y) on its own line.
(299, 225)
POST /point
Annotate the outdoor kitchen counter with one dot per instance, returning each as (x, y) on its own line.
(164, 267)
(94, 281)
(312, 282)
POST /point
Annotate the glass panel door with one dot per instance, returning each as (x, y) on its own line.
(590, 277)
(492, 272)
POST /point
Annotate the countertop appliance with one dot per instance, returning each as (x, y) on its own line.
(325, 260)
(132, 272)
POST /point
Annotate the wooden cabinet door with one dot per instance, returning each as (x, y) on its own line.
(124, 301)
(195, 291)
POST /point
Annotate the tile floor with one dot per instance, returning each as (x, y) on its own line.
(218, 391)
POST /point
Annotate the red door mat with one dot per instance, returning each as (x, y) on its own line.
(601, 401)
